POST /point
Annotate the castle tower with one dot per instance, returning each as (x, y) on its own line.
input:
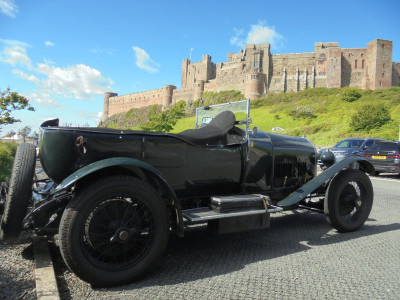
(168, 93)
(198, 89)
(334, 69)
(379, 64)
(107, 96)
(254, 87)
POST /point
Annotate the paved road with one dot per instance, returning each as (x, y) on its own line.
(298, 257)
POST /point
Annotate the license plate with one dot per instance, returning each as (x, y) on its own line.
(378, 157)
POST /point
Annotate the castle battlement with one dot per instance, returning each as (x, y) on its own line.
(254, 71)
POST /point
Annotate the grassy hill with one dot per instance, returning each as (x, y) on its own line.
(323, 115)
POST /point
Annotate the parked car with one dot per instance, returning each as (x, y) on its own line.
(384, 156)
(349, 147)
(114, 196)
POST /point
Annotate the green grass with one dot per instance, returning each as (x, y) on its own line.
(321, 114)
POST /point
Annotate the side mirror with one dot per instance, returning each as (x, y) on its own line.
(255, 130)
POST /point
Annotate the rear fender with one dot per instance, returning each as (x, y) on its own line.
(328, 174)
(128, 163)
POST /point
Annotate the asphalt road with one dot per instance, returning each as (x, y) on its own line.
(299, 257)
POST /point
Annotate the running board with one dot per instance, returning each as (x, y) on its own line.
(206, 213)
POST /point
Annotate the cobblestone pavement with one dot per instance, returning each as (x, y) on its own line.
(299, 257)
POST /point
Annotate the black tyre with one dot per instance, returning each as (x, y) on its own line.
(114, 231)
(348, 200)
(376, 173)
(19, 192)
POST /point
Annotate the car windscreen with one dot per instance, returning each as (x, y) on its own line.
(349, 144)
(205, 114)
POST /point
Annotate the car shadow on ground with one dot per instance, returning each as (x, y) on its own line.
(203, 255)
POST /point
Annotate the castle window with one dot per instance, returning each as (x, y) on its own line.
(362, 64)
(320, 62)
(254, 76)
(277, 80)
(383, 46)
(322, 73)
(278, 74)
(355, 64)
(322, 56)
(257, 61)
(383, 65)
(383, 74)
(362, 55)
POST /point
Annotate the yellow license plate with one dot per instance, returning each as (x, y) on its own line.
(378, 157)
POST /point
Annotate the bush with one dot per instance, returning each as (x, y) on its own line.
(166, 120)
(7, 153)
(350, 94)
(302, 112)
(370, 117)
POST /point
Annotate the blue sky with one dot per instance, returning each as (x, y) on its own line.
(63, 55)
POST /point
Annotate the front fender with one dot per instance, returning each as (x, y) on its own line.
(328, 174)
(127, 162)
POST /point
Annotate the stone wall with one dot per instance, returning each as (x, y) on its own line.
(254, 71)
(396, 74)
(119, 104)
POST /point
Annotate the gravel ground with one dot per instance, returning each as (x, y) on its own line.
(299, 257)
(17, 279)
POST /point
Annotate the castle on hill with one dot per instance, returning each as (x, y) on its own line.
(254, 71)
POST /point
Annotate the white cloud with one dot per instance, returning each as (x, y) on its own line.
(48, 43)
(258, 34)
(8, 7)
(13, 43)
(16, 55)
(79, 81)
(23, 75)
(96, 117)
(143, 61)
(45, 99)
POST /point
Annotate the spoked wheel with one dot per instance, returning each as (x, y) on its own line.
(114, 231)
(348, 200)
(19, 192)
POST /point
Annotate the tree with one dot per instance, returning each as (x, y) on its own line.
(166, 120)
(24, 132)
(9, 102)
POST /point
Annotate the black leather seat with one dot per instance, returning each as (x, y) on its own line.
(215, 133)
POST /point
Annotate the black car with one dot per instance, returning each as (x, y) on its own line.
(384, 156)
(349, 147)
(114, 196)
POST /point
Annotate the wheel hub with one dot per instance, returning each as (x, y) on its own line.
(123, 235)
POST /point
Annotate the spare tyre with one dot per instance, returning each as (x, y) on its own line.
(19, 192)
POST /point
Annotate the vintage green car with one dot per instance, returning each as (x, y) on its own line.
(114, 196)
